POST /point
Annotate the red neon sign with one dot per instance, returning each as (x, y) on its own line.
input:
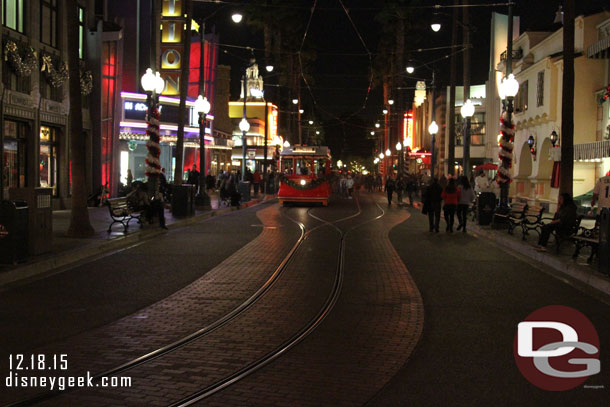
(407, 130)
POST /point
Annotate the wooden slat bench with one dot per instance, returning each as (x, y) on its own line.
(514, 217)
(122, 213)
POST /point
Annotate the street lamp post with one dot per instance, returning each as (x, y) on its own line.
(153, 85)
(399, 152)
(467, 111)
(202, 107)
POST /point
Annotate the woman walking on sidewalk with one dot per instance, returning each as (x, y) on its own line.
(466, 199)
(451, 196)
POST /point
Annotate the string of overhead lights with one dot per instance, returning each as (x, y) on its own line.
(406, 7)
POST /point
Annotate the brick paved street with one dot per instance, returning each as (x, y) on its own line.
(418, 319)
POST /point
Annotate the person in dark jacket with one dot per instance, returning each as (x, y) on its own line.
(390, 185)
(563, 223)
(432, 204)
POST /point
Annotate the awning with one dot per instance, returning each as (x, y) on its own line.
(592, 151)
(600, 49)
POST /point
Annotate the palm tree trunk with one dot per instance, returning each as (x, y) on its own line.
(80, 226)
(567, 101)
(452, 80)
(184, 75)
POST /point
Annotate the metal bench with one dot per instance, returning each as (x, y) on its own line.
(514, 217)
(587, 238)
(532, 220)
(121, 212)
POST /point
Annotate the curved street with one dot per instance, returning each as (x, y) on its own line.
(354, 304)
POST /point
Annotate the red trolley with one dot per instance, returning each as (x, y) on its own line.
(305, 172)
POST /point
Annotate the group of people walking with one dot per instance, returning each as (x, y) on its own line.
(455, 198)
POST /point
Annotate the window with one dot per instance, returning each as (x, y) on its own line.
(540, 89)
(81, 33)
(521, 98)
(48, 158)
(14, 82)
(48, 22)
(287, 166)
(47, 91)
(12, 14)
(15, 147)
(477, 129)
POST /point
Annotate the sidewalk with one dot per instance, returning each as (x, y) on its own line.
(68, 251)
(578, 273)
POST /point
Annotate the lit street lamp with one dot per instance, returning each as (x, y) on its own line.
(433, 129)
(381, 156)
(153, 85)
(295, 101)
(202, 107)
(467, 111)
(399, 152)
(237, 17)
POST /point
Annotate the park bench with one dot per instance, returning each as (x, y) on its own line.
(531, 220)
(587, 238)
(513, 217)
(121, 212)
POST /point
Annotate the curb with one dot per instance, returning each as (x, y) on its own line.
(101, 247)
(570, 270)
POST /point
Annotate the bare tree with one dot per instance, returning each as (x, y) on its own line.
(80, 226)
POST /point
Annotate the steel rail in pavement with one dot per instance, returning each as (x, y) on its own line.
(304, 332)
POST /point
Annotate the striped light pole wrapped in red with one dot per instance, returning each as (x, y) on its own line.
(153, 165)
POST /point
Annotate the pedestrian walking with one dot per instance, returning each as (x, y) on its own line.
(601, 193)
(256, 181)
(349, 185)
(343, 186)
(466, 199)
(562, 223)
(400, 187)
(432, 198)
(411, 188)
(451, 197)
(390, 185)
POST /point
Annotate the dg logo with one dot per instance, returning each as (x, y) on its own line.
(557, 348)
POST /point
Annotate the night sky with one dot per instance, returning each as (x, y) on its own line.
(342, 69)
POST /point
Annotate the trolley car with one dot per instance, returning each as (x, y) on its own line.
(304, 174)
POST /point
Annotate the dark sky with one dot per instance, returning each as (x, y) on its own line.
(341, 80)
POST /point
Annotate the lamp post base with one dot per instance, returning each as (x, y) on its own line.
(202, 199)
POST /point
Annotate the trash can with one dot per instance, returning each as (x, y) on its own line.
(183, 200)
(40, 217)
(604, 244)
(244, 190)
(13, 232)
(486, 205)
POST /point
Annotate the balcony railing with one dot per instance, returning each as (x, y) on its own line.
(517, 54)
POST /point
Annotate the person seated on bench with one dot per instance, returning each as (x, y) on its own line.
(137, 199)
(563, 222)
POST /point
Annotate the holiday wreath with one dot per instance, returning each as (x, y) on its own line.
(310, 185)
(23, 61)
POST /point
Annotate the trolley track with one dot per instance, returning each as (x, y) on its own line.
(303, 333)
(225, 319)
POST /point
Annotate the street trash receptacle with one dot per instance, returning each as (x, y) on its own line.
(40, 217)
(244, 189)
(486, 205)
(13, 232)
(604, 244)
(183, 200)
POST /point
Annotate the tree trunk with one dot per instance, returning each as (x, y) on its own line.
(466, 137)
(184, 76)
(80, 226)
(452, 79)
(567, 101)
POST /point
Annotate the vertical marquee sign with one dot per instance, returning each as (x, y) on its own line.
(172, 31)
(407, 130)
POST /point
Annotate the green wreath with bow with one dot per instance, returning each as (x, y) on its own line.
(23, 61)
(310, 185)
(56, 71)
